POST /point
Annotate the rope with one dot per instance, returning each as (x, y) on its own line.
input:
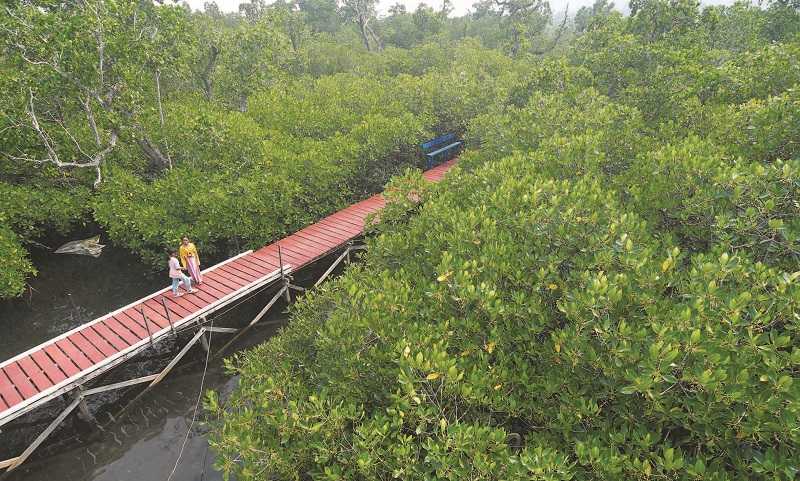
(196, 407)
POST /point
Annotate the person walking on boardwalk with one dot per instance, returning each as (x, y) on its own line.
(190, 260)
(177, 275)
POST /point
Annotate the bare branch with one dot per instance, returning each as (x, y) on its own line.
(158, 97)
(94, 161)
(41, 133)
(87, 107)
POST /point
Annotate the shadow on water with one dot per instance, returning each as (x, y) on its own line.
(71, 290)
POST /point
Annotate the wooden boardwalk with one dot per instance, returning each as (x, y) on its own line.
(57, 366)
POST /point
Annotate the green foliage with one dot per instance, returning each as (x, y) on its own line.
(607, 287)
(542, 315)
(26, 212)
(16, 266)
(245, 186)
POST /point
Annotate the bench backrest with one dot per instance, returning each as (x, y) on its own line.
(438, 142)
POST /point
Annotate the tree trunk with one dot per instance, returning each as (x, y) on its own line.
(362, 28)
(208, 71)
(153, 154)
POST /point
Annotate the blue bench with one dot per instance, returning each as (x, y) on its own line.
(441, 149)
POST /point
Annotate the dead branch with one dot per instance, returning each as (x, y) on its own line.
(92, 161)
(87, 107)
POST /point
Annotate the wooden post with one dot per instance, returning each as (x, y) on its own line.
(325, 275)
(169, 317)
(83, 408)
(146, 325)
(204, 340)
(286, 293)
(280, 259)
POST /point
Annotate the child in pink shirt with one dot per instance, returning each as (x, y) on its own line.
(177, 276)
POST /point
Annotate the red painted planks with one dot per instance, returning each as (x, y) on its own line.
(7, 391)
(64, 363)
(213, 282)
(120, 331)
(228, 279)
(131, 317)
(345, 221)
(117, 342)
(48, 366)
(315, 244)
(265, 265)
(195, 301)
(340, 236)
(87, 348)
(204, 296)
(268, 255)
(34, 373)
(295, 259)
(20, 380)
(326, 243)
(133, 329)
(346, 216)
(304, 253)
(244, 271)
(362, 210)
(74, 353)
(211, 291)
(294, 245)
(177, 307)
(302, 250)
(98, 342)
(154, 310)
(254, 265)
(322, 237)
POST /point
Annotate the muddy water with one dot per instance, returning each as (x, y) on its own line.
(145, 445)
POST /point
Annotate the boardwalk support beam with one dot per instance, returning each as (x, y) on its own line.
(200, 335)
(44, 435)
(255, 320)
(344, 255)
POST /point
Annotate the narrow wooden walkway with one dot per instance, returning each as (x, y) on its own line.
(46, 371)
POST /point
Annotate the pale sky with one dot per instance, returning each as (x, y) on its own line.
(460, 7)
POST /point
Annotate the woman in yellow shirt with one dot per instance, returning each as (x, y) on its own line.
(190, 260)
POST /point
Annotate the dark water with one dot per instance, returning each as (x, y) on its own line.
(71, 290)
